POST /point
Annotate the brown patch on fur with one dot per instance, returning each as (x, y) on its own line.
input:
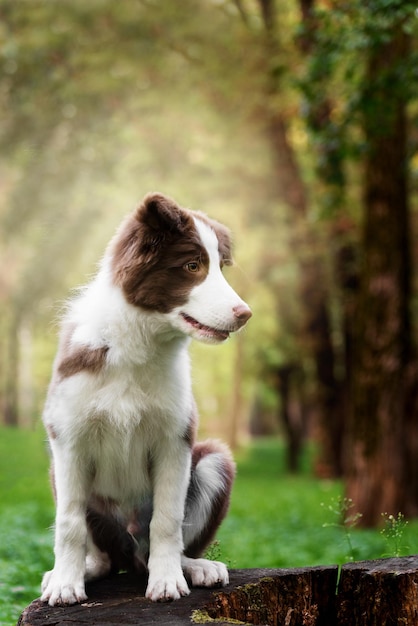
(133, 527)
(111, 537)
(220, 503)
(191, 431)
(52, 434)
(83, 359)
(151, 253)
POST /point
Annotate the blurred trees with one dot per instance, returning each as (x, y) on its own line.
(367, 48)
(287, 120)
(100, 104)
(312, 287)
(383, 460)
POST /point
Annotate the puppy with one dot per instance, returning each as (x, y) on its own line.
(132, 488)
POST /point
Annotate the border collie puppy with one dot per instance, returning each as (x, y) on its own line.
(133, 489)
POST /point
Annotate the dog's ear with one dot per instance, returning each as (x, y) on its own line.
(135, 250)
(161, 215)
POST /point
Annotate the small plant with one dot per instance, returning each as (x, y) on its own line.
(346, 521)
(393, 532)
(213, 552)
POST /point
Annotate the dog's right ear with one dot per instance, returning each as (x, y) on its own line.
(135, 247)
(161, 215)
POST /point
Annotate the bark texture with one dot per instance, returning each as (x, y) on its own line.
(378, 475)
(369, 593)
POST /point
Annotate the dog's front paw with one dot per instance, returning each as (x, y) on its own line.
(166, 587)
(59, 590)
(204, 573)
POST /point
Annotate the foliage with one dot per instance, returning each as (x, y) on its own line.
(393, 532)
(336, 75)
(102, 103)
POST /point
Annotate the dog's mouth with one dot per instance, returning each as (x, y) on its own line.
(208, 332)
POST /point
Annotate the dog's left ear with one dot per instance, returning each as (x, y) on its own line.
(160, 214)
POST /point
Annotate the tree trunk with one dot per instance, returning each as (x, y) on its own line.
(313, 294)
(382, 593)
(329, 169)
(25, 376)
(11, 411)
(292, 413)
(314, 298)
(377, 438)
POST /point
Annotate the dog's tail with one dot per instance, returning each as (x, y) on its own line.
(212, 476)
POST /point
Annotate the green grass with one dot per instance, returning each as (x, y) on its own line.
(279, 520)
(26, 514)
(275, 520)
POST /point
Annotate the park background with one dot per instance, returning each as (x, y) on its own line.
(295, 122)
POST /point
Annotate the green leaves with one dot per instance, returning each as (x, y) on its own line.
(338, 88)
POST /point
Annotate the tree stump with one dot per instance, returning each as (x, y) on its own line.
(369, 593)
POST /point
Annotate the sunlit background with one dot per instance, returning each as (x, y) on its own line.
(103, 103)
(292, 123)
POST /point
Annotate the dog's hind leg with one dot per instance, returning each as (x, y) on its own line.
(213, 472)
(110, 547)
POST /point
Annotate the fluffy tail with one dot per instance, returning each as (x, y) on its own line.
(213, 472)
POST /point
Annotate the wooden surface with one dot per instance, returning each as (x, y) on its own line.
(370, 593)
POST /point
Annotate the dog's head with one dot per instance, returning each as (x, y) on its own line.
(169, 260)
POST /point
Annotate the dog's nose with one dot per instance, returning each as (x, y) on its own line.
(242, 313)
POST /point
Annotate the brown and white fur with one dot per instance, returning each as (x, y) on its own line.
(132, 488)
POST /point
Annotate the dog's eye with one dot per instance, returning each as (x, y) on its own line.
(193, 266)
